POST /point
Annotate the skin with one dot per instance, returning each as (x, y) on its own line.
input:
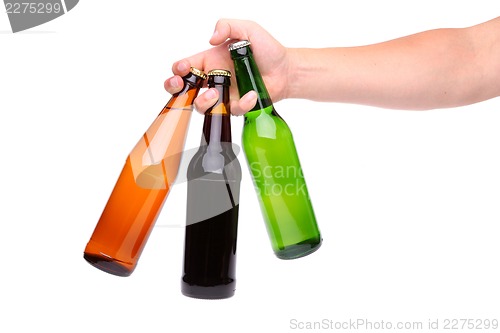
(433, 69)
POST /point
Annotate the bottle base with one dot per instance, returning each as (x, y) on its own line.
(108, 265)
(298, 250)
(213, 293)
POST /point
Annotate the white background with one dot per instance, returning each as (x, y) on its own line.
(408, 202)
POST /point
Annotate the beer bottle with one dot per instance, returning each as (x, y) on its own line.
(140, 191)
(214, 176)
(274, 165)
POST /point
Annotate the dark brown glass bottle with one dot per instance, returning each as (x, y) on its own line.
(214, 176)
(138, 196)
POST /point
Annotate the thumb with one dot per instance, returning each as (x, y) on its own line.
(245, 104)
(232, 29)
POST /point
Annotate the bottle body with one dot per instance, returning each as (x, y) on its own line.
(150, 169)
(280, 185)
(214, 176)
(209, 270)
(274, 164)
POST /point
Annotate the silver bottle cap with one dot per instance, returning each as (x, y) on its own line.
(238, 45)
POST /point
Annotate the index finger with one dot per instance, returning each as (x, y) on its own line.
(214, 58)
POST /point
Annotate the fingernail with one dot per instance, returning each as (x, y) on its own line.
(214, 34)
(173, 83)
(210, 94)
(181, 66)
(251, 95)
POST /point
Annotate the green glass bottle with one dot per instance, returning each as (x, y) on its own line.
(274, 165)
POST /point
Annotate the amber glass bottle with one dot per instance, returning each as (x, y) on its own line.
(214, 176)
(136, 200)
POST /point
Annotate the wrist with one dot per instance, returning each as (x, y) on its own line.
(304, 70)
(294, 70)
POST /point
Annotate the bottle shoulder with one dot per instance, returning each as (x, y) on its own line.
(209, 163)
(266, 125)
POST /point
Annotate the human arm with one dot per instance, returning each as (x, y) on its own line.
(429, 70)
(433, 69)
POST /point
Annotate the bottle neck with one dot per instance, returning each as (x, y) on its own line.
(217, 123)
(184, 99)
(191, 81)
(248, 78)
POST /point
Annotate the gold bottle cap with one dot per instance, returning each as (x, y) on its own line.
(219, 72)
(238, 45)
(198, 72)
